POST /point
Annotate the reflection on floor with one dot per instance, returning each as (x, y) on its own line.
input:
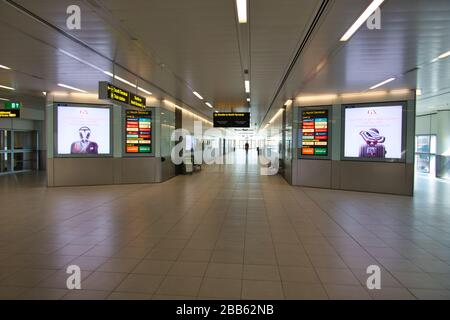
(225, 232)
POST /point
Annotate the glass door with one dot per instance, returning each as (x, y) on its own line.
(18, 151)
(5, 151)
(426, 154)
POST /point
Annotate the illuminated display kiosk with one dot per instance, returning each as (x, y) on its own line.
(138, 140)
(314, 133)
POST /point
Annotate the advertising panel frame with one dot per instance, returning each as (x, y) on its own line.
(56, 105)
(403, 104)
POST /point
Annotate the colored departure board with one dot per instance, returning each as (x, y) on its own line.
(138, 126)
(314, 133)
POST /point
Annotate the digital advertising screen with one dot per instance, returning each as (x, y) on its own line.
(314, 133)
(373, 132)
(83, 130)
(138, 127)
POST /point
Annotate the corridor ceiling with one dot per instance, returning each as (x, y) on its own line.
(172, 48)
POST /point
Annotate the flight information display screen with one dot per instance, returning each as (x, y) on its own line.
(138, 127)
(314, 133)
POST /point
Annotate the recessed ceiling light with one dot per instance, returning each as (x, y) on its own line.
(44, 93)
(382, 83)
(197, 95)
(71, 88)
(8, 88)
(4, 67)
(242, 10)
(363, 18)
(247, 86)
(248, 99)
(209, 105)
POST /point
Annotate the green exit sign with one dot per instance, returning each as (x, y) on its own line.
(12, 105)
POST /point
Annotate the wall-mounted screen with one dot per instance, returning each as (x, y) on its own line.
(83, 130)
(314, 134)
(373, 132)
(138, 127)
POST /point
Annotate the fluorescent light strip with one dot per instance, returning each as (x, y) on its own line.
(71, 88)
(105, 72)
(288, 103)
(108, 74)
(382, 83)
(4, 67)
(124, 81)
(209, 105)
(442, 56)
(187, 111)
(363, 94)
(317, 97)
(8, 88)
(242, 10)
(127, 82)
(400, 91)
(276, 115)
(81, 60)
(247, 86)
(197, 95)
(363, 18)
(4, 99)
(143, 90)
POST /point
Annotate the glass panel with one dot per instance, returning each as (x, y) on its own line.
(167, 128)
(5, 140)
(433, 145)
(24, 161)
(423, 144)
(5, 162)
(24, 140)
(423, 163)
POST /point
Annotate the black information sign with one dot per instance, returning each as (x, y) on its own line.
(110, 92)
(10, 113)
(232, 120)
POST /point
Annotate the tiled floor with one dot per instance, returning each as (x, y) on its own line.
(223, 233)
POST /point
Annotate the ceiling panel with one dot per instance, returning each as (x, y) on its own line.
(172, 47)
